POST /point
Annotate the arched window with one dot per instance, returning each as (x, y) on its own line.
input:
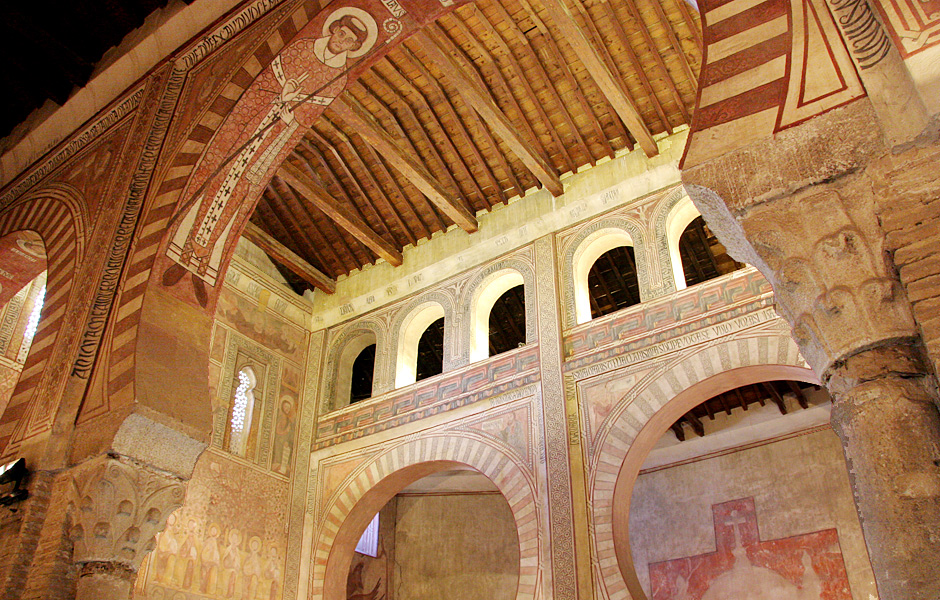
(355, 367)
(507, 321)
(431, 351)
(420, 345)
(604, 274)
(695, 252)
(363, 371)
(242, 411)
(612, 282)
(703, 256)
(483, 302)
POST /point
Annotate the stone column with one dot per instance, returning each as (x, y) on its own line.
(884, 412)
(823, 250)
(117, 508)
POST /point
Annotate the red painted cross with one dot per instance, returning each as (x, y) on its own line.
(802, 567)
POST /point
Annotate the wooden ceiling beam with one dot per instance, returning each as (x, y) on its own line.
(319, 196)
(415, 171)
(624, 39)
(445, 137)
(562, 64)
(332, 178)
(694, 27)
(369, 175)
(674, 42)
(285, 256)
(420, 131)
(800, 397)
(655, 52)
(520, 76)
(468, 67)
(530, 53)
(504, 86)
(313, 233)
(771, 389)
(605, 80)
(695, 422)
(482, 102)
(677, 429)
(451, 112)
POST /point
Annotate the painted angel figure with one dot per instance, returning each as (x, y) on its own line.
(288, 95)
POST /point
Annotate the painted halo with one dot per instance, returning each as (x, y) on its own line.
(372, 30)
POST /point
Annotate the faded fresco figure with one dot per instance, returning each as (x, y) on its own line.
(307, 75)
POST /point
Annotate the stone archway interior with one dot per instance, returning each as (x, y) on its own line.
(746, 495)
(450, 534)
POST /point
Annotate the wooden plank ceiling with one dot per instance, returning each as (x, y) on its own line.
(496, 98)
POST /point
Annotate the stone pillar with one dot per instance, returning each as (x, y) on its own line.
(884, 412)
(823, 249)
(117, 508)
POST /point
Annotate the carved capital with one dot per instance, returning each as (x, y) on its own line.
(823, 251)
(117, 508)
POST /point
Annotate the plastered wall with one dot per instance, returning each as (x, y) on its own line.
(796, 490)
(228, 540)
(461, 547)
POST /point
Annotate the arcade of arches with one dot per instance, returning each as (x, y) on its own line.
(520, 299)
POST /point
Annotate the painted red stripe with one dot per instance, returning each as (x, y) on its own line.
(748, 19)
(121, 381)
(753, 101)
(171, 185)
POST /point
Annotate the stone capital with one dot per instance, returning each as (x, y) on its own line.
(117, 508)
(822, 249)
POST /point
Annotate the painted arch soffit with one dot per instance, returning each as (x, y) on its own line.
(278, 91)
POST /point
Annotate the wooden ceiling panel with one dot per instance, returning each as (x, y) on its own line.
(541, 105)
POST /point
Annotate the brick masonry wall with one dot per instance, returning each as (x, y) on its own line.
(908, 187)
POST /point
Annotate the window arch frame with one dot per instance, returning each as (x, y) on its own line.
(678, 218)
(415, 322)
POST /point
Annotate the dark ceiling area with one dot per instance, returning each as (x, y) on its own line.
(51, 48)
(741, 399)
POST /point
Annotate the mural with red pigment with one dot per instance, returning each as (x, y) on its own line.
(801, 567)
(23, 257)
(267, 122)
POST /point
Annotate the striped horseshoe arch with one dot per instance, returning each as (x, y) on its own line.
(627, 439)
(57, 215)
(376, 482)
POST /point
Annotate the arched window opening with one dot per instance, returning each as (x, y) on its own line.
(703, 256)
(612, 282)
(363, 369)
(22, 294)
(420, 351)
(431, 351)
(32, 324)
(507, 321)
(242, 411)
(483, 303)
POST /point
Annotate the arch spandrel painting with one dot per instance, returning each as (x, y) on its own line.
(266, 124)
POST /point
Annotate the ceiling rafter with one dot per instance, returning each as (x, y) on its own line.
(311, 232)
(598, 70)
(356, 116)
(435, 127)
(289, 259)
(454, 116)
(313, 192)
(657, 57)
(470, 69)
(480, 100)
